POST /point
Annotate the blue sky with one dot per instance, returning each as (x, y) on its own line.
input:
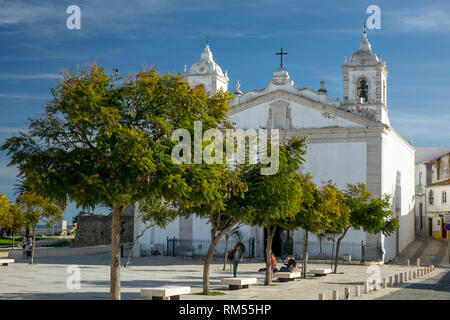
(414, 39)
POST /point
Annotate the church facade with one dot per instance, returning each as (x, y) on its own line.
(347, 142)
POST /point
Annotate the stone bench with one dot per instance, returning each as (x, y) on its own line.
(238, 283)
(165, 293)
(5, 262)
(287, 276)
(320, 272)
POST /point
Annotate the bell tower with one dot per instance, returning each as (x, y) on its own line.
(207, 73)
(365, 83)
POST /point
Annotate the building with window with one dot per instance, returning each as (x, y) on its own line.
(432, 188)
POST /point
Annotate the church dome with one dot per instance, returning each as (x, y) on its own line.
(206, 65)
(364, 55)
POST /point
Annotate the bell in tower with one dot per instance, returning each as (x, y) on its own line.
(365, 82)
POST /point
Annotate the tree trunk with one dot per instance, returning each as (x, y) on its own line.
(134, 244)
(305, 255)
(13, 235)
(338, 244)
(33, 246)
(269, 274)
(208, 259)
(114, 291)
(227, 238)
(214, 240)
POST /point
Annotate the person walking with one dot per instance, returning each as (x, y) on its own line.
(29, 247)
(24, 247)
(236, 258)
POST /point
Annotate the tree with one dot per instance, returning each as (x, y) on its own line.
(223, 210)
(6, 218)
(103, 139)
(19, 220)
(12, 217)
(38, 208)
(320, 209)
(370, 214)
(275, 198)
(153, 212)
(309, 216)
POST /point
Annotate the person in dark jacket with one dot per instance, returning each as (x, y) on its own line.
(290, 265)
(236, 258)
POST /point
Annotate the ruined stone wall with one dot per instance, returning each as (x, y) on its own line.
(94, 229)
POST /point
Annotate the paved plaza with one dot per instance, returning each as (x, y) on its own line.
(47, 279)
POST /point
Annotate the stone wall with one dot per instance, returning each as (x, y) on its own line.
(94, 229)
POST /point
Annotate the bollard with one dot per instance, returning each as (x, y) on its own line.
(409, 275)
(391, 283)
(321, 296)
(366, 287)
(384, 283)
(405, 276)
(346, 293)
(357, 291)
(335, 295)
(418, 262)
(400, 278)
(396, 280)
(414, 274)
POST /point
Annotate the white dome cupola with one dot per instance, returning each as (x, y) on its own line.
(208, 73)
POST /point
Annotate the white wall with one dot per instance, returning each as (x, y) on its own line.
(340, 162)
(398, 160)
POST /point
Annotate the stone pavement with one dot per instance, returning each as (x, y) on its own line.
(430, 250)
(47, 279)
(436, 287)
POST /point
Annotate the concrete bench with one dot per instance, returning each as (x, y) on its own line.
(320, 272)
(5, 262)
(238, 283)
(165, 293)
(287, 276)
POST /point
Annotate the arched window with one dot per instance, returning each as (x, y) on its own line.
(363, 90)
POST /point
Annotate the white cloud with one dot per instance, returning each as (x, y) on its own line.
(20, 12)
(426, 19)
(34, 76)
(21, 96)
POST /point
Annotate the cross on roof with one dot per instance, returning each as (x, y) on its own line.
(281, 54)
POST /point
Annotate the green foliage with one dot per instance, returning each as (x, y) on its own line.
(373, 215)
(334, 209)
(103, 139)
(275, 198)
(6, 218)
(12, 216)
(37, 208)
(156, 212)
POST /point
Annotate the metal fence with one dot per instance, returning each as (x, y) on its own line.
(199, 247)
(327, 250)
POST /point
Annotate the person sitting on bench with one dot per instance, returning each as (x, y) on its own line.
(290, 266)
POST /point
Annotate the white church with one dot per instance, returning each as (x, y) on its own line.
(347, 142)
